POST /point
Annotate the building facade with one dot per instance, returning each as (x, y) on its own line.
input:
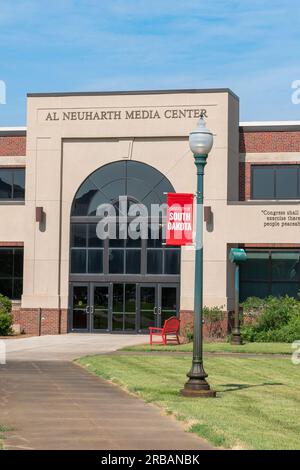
(80, 150)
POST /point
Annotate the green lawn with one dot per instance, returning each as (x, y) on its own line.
(257, 404)
(3, 429)
(259, 348)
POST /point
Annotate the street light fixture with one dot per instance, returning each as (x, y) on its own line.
(237, 256)
(201, 141)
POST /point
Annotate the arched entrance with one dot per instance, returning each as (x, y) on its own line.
(120, 284)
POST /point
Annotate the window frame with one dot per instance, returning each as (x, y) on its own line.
(86, 248)
(13, 278)
(143, 248)
(269, 281)
(275, 168)
(127, 176)
(13, 170)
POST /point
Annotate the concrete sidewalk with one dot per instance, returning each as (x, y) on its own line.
(59, 405)
(67, 347)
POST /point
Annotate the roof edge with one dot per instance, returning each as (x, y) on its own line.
(13, 131)
(274, 126)
(134, 92)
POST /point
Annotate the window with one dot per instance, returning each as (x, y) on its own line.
(162, 259)
(270, 273)
(123, 255)
(275, 182)
(11, 272)
(86, 249)
(12, 184)
(138, 181)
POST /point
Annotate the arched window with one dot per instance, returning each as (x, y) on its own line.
(121, 283)
(140, 183)
(136, 180)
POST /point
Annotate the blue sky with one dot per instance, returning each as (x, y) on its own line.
(250, 46)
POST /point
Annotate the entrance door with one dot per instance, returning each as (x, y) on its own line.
(148, 306)
(157, 303)
(80, 307)
(168, 303)
(124, 307)
(90, 307)
(99, 309)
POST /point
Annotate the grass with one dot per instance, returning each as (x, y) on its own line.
(3, 429)
(257, 404)
(256, 348)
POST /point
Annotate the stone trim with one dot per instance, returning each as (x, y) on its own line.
(11, 244)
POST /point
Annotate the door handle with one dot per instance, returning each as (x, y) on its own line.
(92, 310)
(159, 310)
(155, 310)
(87, 309)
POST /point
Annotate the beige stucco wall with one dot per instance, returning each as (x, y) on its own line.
(12, 218)
(61, 154)
(12, 215)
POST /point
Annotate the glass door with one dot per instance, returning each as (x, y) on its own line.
(157, 303)
(99, 310)
(168, 303)
(80, 307)
(148, 309)
(124, 307)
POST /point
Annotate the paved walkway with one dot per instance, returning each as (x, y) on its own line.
(58, 405)
(50, 403)
(67, 347)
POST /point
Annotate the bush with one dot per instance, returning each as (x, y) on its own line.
(252, 308)
(5, 316)
(213, 318)
(277, 319)
(186, 330)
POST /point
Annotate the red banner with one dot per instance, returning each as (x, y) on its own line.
(179, 219)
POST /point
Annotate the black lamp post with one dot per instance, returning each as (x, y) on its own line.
(201, 141)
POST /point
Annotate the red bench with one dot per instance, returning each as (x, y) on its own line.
(170, 328)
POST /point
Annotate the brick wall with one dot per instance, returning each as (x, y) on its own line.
(269, 141)
(263, 142)
(244, 181)
(46, 322)
(12, 146)
(222, 329)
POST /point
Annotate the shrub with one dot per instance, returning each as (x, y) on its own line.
(277, 319)
(213, 318)
(187, 331)
(5, 316)
(252, 308)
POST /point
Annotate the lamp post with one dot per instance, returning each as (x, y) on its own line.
(237, 256)
(201, 141)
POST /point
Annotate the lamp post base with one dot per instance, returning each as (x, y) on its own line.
(197, 388)
(236, 339)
